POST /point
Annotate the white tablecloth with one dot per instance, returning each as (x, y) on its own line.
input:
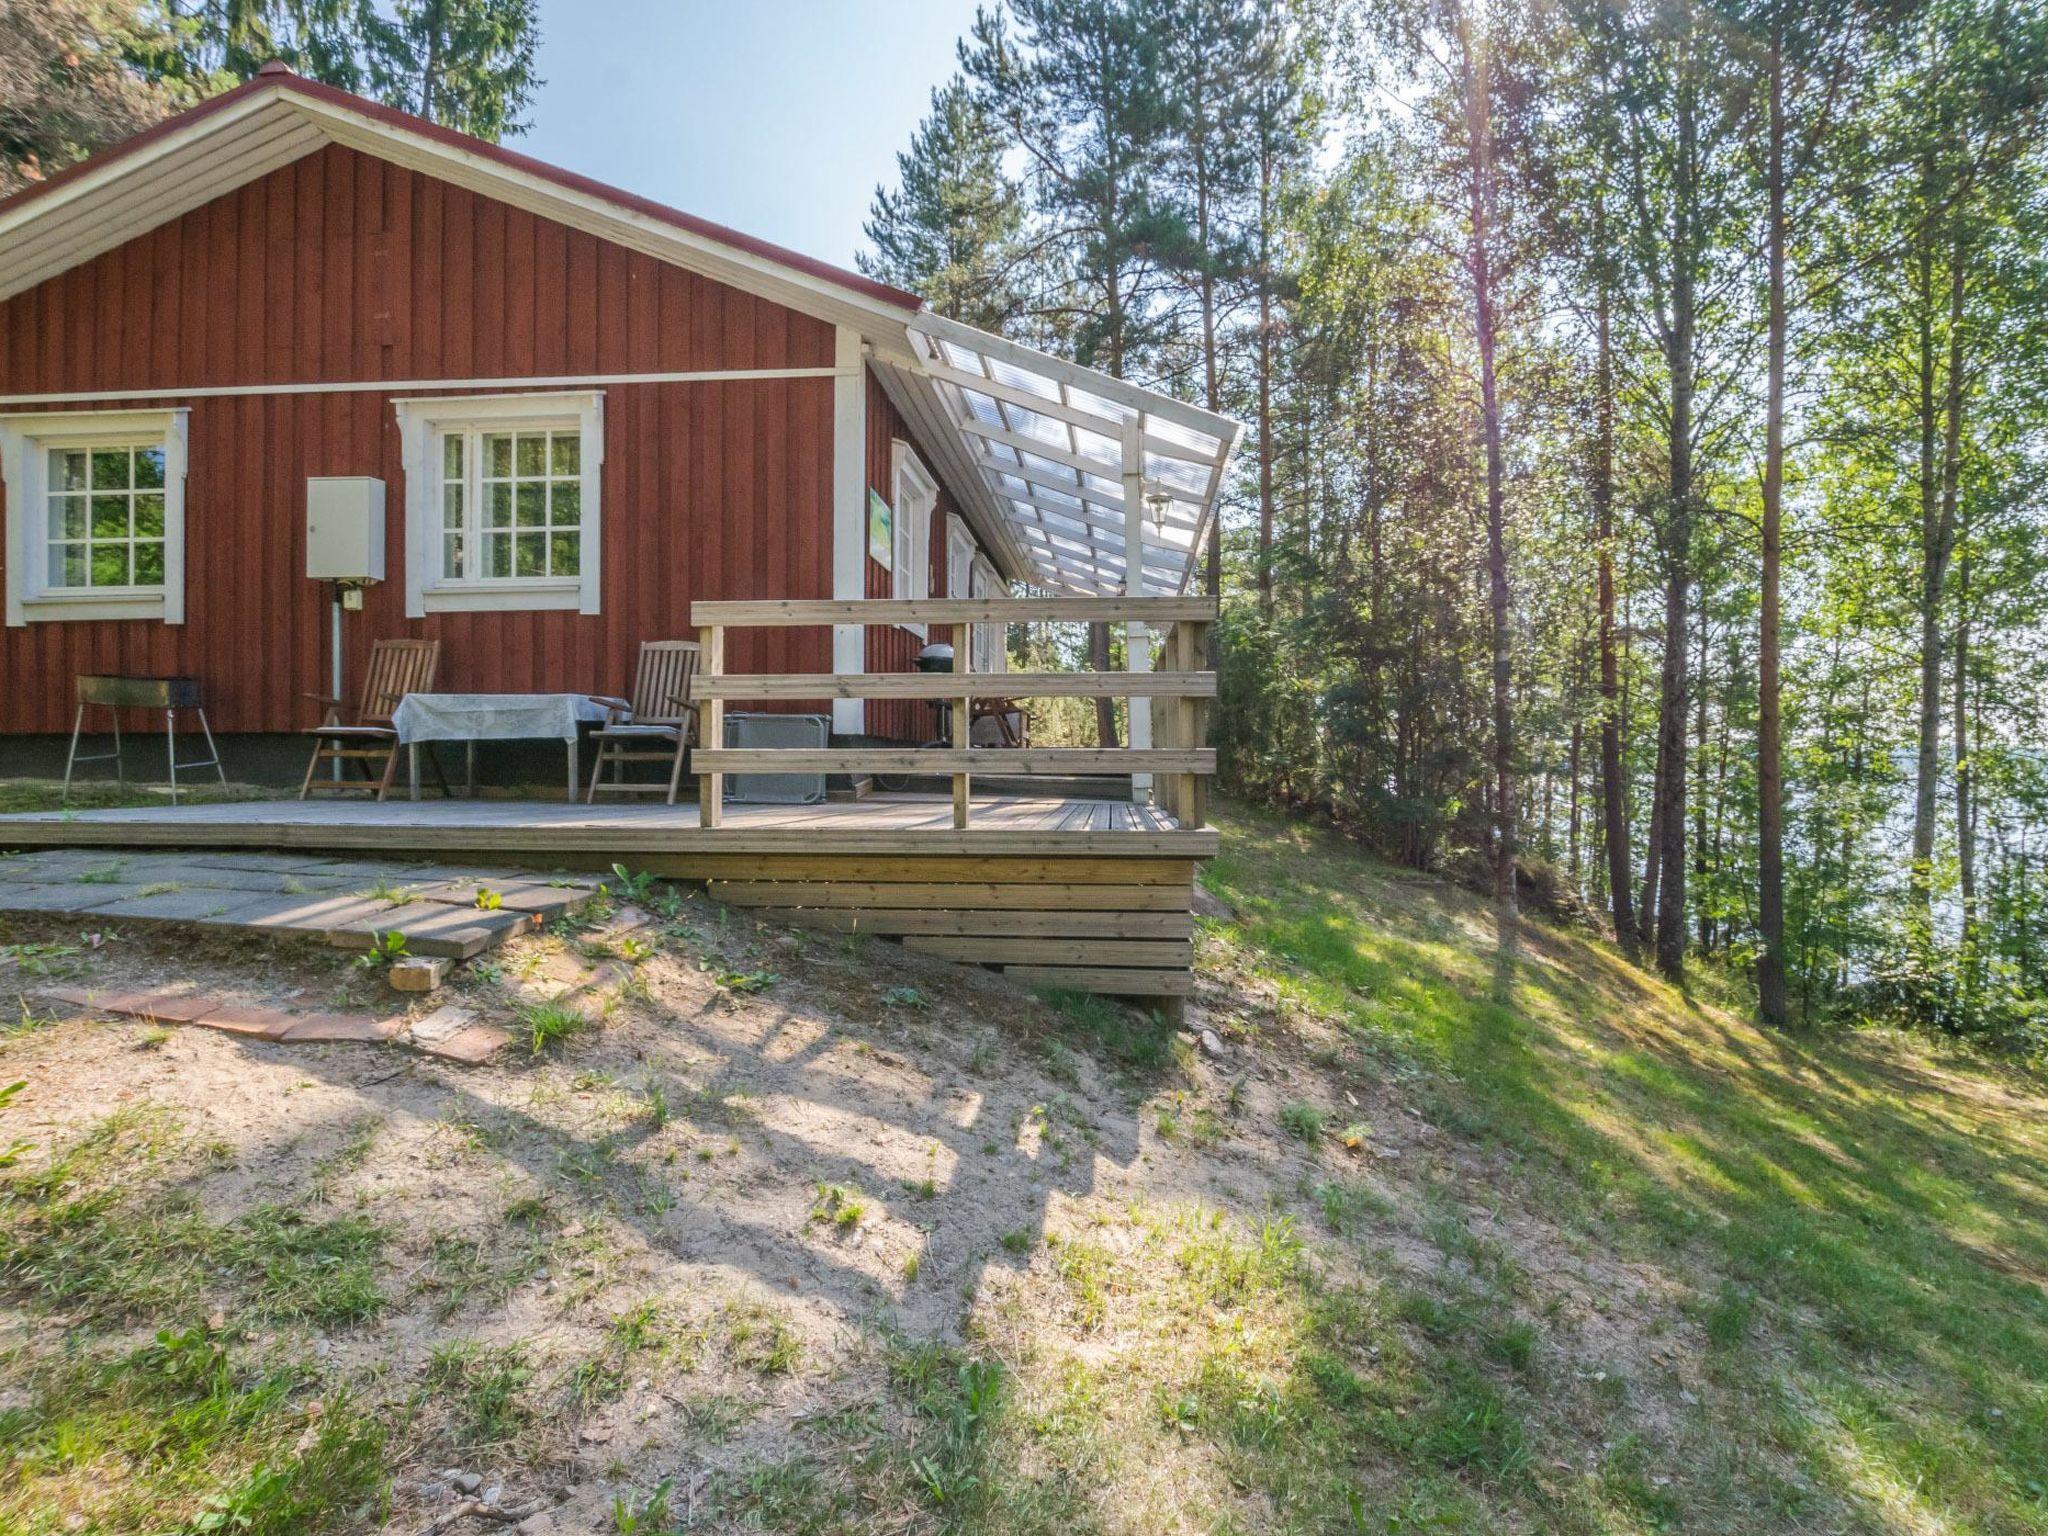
(492, 716)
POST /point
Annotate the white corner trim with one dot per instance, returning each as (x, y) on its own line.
(849, 515)
(23, 473)
(419, 417)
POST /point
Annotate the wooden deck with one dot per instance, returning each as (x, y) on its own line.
(897, 825)
(1091, 894)
(1094, 893)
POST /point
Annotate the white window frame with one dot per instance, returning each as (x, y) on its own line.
(25, 442)
(959, 556)
(915, 498)
(991, 641)
(421, 423)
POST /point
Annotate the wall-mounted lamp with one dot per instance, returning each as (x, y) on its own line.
(1157, 503)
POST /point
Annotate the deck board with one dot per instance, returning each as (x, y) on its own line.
(907, 823)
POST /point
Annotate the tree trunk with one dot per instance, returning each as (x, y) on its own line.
(1966, 827)
(1105, 708)
(1700, 863)
(1212, 389)
(1479, 185)
(431, 71)
(1951, 524)
(1613, 787)
(1770, 751)
(1265, 413)
(1939, 496)
(1671, 705)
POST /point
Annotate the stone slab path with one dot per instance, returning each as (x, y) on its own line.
(442, 911)
(449, 1032)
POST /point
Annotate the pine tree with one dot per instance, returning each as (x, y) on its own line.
(466, 64)
(1081, 88)
(952, 229)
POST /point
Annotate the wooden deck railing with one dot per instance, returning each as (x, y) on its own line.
(1176, 687)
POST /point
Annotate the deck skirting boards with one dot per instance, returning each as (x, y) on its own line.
(1113, 925)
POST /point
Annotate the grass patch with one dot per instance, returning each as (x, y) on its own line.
(757, 1338)
(840, 1206)
(1855, 1218)
(1138, 1041)
(1304, 1122)
(179, 1435)
(95, 1235)
(550, 1024)
(643, 1336)
(482, 1389)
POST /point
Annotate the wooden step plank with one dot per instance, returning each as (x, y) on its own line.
(1111, 980)
(992, 923)
(931, 760)
(1056, 951)
(937, 871)
(959, 897)
(954, 685)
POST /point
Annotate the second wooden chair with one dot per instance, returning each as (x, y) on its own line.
(397, 667)
(654, 726)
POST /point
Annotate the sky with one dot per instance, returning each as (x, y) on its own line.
(776, 117)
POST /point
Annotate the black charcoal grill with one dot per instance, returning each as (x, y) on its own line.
(114, 694)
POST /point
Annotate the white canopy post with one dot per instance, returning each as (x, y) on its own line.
(1137, 639)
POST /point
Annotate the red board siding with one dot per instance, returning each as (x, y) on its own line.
(342, 268)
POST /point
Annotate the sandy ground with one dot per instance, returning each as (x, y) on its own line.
(533, 1200)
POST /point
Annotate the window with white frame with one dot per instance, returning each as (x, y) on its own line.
(511, 503)
(502, 501)
(95, 515)
(916, 498)
(989, 639)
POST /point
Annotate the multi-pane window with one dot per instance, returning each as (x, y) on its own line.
(511, 504)
(105, 517)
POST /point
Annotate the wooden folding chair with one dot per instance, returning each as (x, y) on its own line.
(654, 726)
(397, 667)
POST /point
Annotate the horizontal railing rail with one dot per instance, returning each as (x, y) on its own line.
(769, 612)
(1019, 760)
(1168, 709)
(953, 685)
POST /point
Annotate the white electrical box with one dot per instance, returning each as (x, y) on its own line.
(345, 528)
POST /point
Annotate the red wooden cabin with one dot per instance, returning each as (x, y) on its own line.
(586, 412)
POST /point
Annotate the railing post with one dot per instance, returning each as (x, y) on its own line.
(1194, 727)
(1137, 640)
(963, 719)
(1166, 728)
(711, 726)
(1138, 660)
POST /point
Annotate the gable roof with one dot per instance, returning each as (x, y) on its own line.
(1030, 444)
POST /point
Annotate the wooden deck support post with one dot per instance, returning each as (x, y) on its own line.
(711, 726)
(1137, 638)
(963, 719)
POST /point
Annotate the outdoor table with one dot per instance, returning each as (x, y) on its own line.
(473, 717)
